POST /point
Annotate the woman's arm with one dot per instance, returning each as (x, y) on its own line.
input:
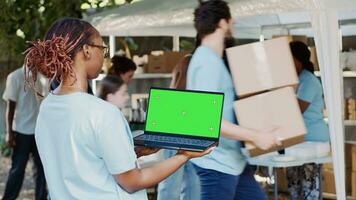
(138, 179)
(303, 105)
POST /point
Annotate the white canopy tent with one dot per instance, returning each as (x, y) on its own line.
(318, 18)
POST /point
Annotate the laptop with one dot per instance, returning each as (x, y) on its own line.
(182, 119)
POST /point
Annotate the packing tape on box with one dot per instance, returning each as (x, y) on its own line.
(263, 72)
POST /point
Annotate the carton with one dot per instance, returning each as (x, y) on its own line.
(278, 108)
(262, 66)
(164, 63)
(329, 181)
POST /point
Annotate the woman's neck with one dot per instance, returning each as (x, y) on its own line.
(70, 84)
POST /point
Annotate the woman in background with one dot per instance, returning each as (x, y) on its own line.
(304, 181)
(114, 90)
(122, 67)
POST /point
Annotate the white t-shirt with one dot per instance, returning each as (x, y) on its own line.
(26, 103)
(82, 141)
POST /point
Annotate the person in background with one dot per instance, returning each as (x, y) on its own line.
(223, 174)
(114, 90)
(21, 115)
(85, 143)
(185, 181)
(122, 67)
(304, 181)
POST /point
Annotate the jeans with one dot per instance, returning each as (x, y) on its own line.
(220, 186)
(183, 184)
(25, 145)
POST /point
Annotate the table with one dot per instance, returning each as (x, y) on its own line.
(267, 161)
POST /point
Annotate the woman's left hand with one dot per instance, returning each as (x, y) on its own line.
(144, 151)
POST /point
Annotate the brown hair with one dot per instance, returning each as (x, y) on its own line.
(208, 15)
(109, 85)
(121, 65)
(53, 57)
(301, 52)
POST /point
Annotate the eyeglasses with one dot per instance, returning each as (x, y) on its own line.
(104, 48)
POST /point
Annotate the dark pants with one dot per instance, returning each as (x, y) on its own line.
(304, 182)
(220, 186)
(25, 145)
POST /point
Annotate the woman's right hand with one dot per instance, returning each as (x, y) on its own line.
(266, 139)
(194, 154)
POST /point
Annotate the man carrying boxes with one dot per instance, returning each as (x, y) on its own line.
(264, 75)
(260, 67)
(223, 174)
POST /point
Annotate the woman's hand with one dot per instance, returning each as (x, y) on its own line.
(144, 151)
(194, 154)
(266, 139)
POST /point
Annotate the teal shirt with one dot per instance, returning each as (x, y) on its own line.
(207, 72)
(310, 90)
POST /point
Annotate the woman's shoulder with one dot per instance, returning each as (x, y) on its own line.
(309, 77)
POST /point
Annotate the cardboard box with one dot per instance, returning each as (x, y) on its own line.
(353, 157)
(348, 159)
(277, 108)
(164, 63)
(291, 38)
(329, 181)
(156, 64)
(353, 184)
(262, 66)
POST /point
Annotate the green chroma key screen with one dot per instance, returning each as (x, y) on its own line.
(184, 112)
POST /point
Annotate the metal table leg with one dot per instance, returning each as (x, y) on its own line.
(320, 181)
(275, 183)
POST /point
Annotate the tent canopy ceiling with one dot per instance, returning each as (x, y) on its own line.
(251, 17)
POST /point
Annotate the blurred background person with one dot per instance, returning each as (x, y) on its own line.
(122, 67)
(21, 115)
(304, 181)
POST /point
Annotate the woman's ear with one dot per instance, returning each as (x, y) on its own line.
(86, 51)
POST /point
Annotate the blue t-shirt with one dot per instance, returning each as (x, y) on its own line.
(207, 72)
(310, 90)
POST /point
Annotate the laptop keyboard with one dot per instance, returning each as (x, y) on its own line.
(175, 140)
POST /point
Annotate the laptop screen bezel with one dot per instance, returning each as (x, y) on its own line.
(180, 135)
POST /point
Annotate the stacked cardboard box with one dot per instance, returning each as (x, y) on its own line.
(353, 174)
(264, 75)
(164, 63)
(328, 184)
(350, 109)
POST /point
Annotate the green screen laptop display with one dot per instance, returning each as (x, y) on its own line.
(184, 113)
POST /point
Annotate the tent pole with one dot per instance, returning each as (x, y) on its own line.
(326, 36)
(112, 45)
(176, 43)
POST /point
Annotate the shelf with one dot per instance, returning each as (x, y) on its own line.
(333, 196)
(152, 76)
(346, 74)
(142, 76)
(350, 142)
(350, 122)
(346, 122)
